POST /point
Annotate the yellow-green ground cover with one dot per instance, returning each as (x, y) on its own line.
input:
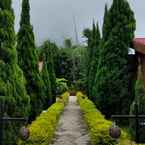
(43, 128)
(98, 126)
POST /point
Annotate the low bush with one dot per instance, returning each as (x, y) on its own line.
(43, 128)
(98, 126)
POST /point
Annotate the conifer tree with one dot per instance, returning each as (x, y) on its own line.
(47, 88)
(105, 29)
(112, 94)
(93, 40)
(93, 59)
(47, 50)
(28, 61)
(14, 101)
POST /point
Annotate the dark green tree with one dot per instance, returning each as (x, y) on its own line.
(14, 101)
(28, 61)
(64, 65)
(112, 78)
(93, 59)
(105, 22)
(79, 69)
(93, 41)
(91, 48)
(55, 51)
(47, 50)
(47, 88)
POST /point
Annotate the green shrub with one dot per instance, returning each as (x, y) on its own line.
(98, 126)
(61, 85)
(43, 128)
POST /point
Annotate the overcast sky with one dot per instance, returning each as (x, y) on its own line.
(53, 19)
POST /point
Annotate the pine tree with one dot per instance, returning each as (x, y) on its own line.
(112, 92)
(47, 50)
(28, 61)
(14, 101)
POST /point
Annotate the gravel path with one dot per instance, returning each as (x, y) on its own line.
(71, 129)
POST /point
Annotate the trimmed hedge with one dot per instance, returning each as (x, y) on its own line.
(43, 128)
(98, 126)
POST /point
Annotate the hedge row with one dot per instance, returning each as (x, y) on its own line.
(43, 128)
(98, 126)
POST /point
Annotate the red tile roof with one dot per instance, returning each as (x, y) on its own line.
(139, 45)
(139, 40)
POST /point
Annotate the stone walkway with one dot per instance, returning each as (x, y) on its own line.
(71, 129)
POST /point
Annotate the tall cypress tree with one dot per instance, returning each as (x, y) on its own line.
(28, 60)
(112, 75)
(91, 49)
(14, 101)
(105, 26)
(46, 78)
(93, 59)
(93, 40)
(47, 50)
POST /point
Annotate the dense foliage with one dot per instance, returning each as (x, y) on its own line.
(28, 61)
(47, 84)
(112, 74)
(64, 64)
(14, 100)
(79, 69)
(72, 65)
(93, 42)
(105, 26)
(48, 58)
(93, 60)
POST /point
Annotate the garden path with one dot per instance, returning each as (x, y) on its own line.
(71, 129)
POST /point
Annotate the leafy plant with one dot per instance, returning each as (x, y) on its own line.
(61, 85)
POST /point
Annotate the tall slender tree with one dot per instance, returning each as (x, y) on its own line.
(28, 60)
(112, 75)
(105, 22)
(93, 40)
(46, 78)
(93, 59)
(47, 50)
(14, 101)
